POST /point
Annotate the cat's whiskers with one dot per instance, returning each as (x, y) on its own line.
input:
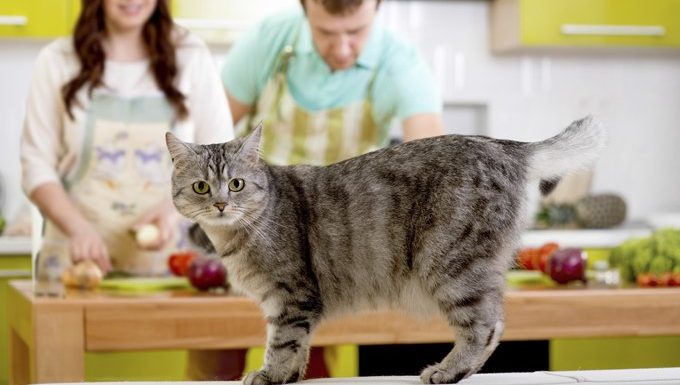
(246, 221)
(250, 228)
(266, 221)
(194, 214)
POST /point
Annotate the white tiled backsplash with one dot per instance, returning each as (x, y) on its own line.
(514, 96)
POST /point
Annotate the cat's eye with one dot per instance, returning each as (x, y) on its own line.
(201, 187)
(236, 184)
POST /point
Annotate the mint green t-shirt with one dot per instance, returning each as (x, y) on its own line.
(403, 84)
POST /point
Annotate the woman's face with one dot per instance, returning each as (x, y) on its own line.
(128, 15)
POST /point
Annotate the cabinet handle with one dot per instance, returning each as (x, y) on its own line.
(231, 25)
(15, 273)
(17, 21)
(613, 30)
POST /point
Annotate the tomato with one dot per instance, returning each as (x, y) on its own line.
(526, 257)
(545, 252)
(665, 279)
(179, 262)
(675, 280)
(646, 280)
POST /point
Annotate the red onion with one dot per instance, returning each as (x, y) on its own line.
(207, 273)
(568, 265)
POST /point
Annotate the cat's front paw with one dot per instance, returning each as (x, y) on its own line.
(261, 377)
(434, 374)
(257, 378)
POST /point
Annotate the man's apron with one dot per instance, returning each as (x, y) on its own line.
(294, 135)
(123, 172)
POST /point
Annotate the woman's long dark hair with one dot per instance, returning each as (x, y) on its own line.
(157, 35)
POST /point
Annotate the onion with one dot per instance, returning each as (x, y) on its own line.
(84, 275)
(568, 265)
(147, 235)
(207, 273)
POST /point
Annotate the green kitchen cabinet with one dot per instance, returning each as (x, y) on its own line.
(614, 353)
(522, 24)
(11, 267)
(37, 18)
(222, 22)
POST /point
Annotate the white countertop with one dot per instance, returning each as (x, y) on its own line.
(656, 376)
(585, 238)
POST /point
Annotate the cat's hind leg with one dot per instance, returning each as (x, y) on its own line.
(476, 315)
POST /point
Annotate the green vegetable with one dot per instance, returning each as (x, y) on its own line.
(658, 253)
(661, 264)
(668, 243)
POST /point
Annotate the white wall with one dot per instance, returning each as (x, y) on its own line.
(16, 64)
(533, 96)
(525, 97)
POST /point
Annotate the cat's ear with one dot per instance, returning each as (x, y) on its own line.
(176, 147)
(250, 150)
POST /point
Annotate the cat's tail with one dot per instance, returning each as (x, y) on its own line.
(575, 148)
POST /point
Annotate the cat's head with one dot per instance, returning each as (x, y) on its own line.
(218, 184)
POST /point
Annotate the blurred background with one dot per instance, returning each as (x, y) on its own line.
(505, 69)
(513, 69)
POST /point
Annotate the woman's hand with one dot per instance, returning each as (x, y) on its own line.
(164, 216)
(86, 243)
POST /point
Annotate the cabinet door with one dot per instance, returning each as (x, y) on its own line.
(223, 21)
(554, 23)
(35, 18)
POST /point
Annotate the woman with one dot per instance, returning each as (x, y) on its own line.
(92, 149)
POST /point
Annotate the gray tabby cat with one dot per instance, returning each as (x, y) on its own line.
(428, 224)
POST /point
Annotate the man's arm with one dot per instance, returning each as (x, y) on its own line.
(422, 126)
(238, 109)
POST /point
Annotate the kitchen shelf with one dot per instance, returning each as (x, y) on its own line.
(15, 245)
(585, 238)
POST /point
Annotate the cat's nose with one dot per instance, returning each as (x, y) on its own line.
(220, 206)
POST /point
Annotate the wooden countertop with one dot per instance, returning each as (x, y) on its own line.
(187, 319)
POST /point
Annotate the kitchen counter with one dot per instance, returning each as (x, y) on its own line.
(49, 336)
(584, 238)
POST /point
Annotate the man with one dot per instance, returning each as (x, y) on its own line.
(328, 83)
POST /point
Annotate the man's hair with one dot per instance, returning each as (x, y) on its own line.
(339, 7)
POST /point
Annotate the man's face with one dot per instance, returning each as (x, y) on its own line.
(340, 38)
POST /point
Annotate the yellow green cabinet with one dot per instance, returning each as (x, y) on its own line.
(517, 24)
(224, 21)
(11, 267)
(36, 18)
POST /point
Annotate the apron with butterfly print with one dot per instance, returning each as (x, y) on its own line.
(123, 172)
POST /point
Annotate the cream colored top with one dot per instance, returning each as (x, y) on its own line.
(51, 143)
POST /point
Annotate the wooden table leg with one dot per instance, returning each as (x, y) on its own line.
(47, 339)
(58, 354)
(19, 373)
